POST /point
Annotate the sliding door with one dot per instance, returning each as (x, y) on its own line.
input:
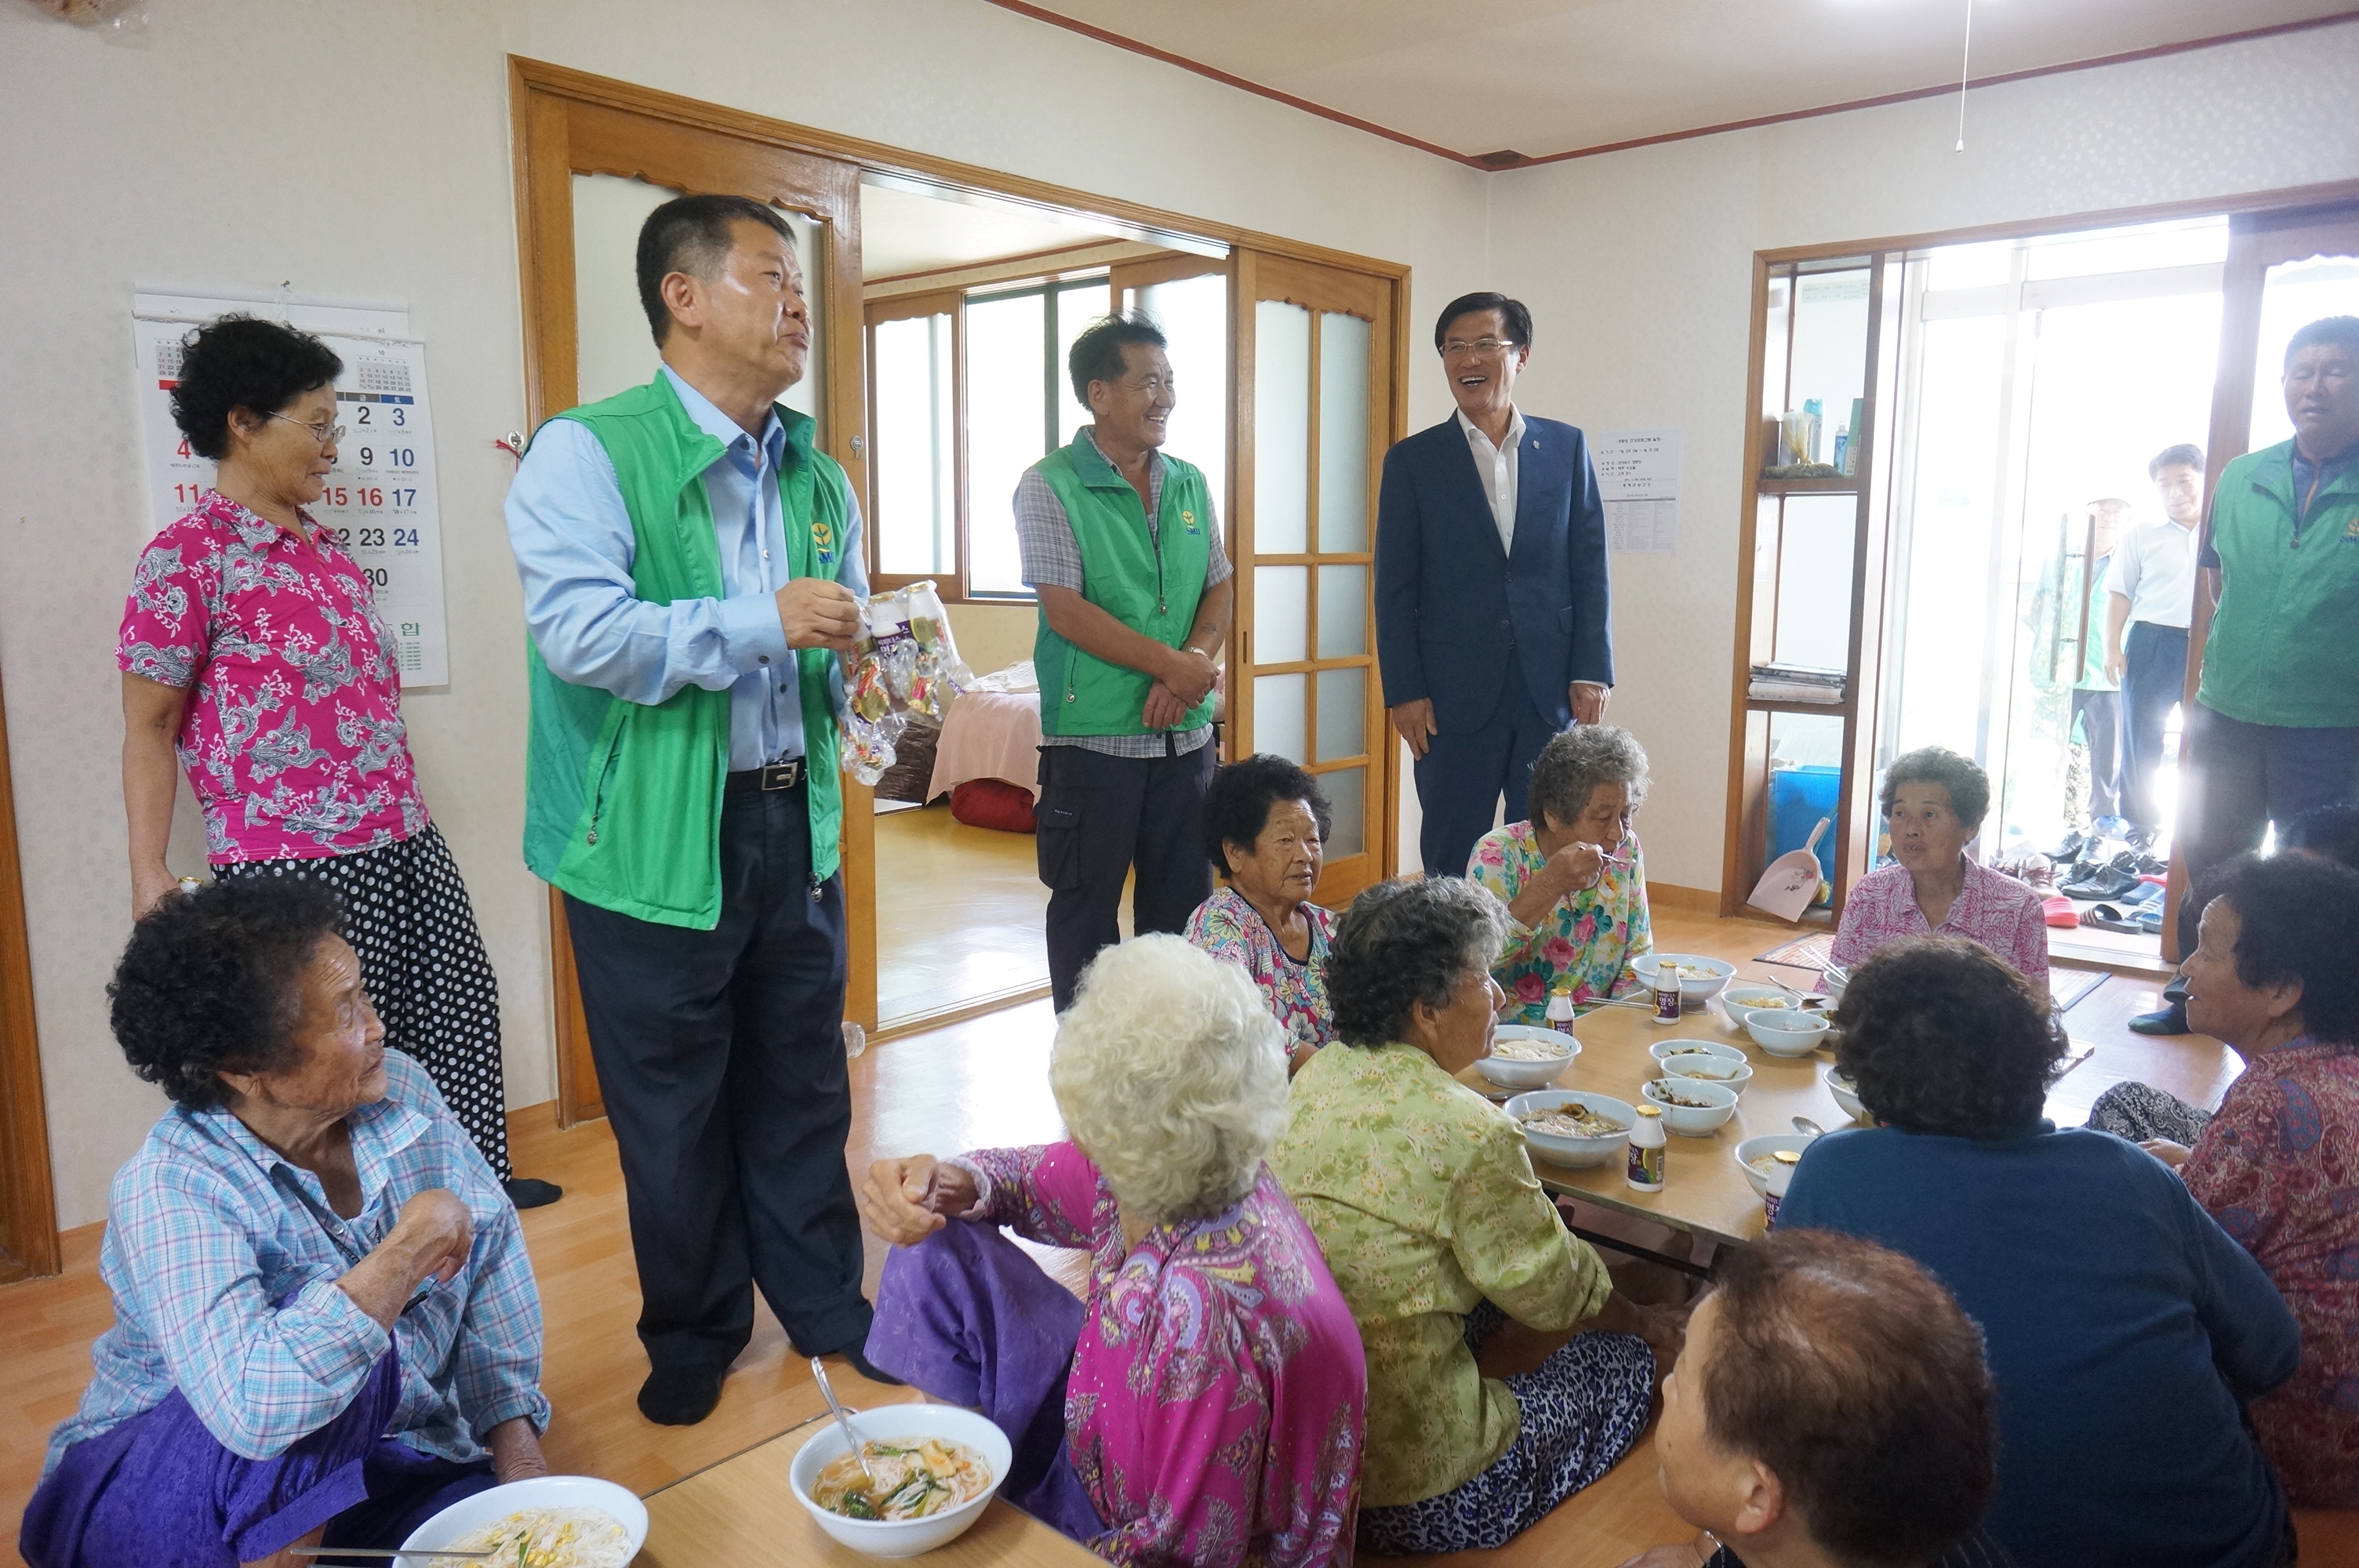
(592, 163)
(1315, 410)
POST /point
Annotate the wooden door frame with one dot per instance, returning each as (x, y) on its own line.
(542, 99)
(29, 1209)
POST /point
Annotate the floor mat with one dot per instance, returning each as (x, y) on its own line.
(2071, 987)
(1810, 952)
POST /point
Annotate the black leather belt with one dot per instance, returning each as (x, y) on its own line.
(787, 774)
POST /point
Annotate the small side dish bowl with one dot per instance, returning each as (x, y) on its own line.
(1832, 981)
(1699, 1068)
(1752, 1148)
(1787, 1034)
(1700, 978)
(1576, 1152)
(1664, 1050)
(902, 1537)
(1690, 1120)
(1742, 1001)
(1509, 1072)
(1846, 1095)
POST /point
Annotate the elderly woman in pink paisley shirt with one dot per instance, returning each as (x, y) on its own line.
(253, 657)
(1203, 1403)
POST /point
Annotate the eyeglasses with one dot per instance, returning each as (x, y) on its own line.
(323, 432)
(1457, 347)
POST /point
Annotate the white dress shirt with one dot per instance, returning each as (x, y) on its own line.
(1498, 471)
(2154, 569)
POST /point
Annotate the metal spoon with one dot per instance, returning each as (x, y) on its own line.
(1803, 1124)
(819, 1371)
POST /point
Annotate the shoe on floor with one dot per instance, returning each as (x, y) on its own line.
(680, 1396)
(2171, 1020)
(527, 1192)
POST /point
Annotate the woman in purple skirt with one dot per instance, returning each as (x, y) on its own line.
(326, 1325)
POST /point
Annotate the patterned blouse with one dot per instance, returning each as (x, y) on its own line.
(293, 741)
(1991, 907)
(1590, 937)
(1227, 926)
(1213, 1412)
(2278, 1167)
(1421, 1194)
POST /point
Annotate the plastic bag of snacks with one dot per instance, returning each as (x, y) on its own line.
(905, 662)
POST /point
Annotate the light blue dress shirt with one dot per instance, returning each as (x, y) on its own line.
(573, 549)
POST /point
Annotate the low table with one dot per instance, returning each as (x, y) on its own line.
(742, 1511)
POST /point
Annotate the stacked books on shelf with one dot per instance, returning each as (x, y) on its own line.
(1774, 682)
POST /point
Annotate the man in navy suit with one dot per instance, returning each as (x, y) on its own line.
(1491, 593)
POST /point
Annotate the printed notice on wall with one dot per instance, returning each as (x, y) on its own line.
(1638, 479)
(380, 504)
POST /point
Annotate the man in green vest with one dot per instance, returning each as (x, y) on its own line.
(2273, 730)
(1121, 544)
(690, 566)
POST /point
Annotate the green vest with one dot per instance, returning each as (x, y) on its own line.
(2284, 644)
(1152, 590)
(623, 799)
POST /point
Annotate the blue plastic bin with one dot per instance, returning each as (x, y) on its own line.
(1797, 798)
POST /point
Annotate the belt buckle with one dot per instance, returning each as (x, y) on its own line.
(782, 775)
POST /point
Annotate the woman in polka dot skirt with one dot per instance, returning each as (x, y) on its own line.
(252, 653)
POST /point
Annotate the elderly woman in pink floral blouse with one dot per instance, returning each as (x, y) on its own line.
(1265, 824)
(1203, 1404)
(1933, 803)
(1574, 878)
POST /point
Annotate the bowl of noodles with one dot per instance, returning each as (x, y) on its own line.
(549, 1522)
(936, 1467)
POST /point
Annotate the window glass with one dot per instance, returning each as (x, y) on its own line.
(1194, 314)
(1078, 305)
(1006, 430)
(917, 514)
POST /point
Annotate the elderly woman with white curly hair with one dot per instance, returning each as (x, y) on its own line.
(1574, 878)
(1203, 1404)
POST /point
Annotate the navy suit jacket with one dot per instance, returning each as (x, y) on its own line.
(1451, 603)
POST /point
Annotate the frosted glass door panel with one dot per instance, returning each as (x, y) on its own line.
(1343, 434)
(1281, 614)
(1342, 712)
(1194, 314)
(1343, 612)
(1281, 428)
(1347, 802)
(1280, 718)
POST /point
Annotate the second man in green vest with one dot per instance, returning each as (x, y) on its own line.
(1122, 545)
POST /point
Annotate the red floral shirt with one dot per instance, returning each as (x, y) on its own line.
(293, 741)
(2278, 1167)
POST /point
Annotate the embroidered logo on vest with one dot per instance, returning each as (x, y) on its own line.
(1189, 519)
(823, 541)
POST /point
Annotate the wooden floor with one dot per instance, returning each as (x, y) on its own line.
(975, 1083)
(976, 895)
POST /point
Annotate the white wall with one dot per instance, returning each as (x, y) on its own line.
(1638, 266)
(364, 151)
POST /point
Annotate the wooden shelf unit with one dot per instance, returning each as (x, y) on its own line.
(1751, 719)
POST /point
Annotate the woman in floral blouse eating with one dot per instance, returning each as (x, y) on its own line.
(1572, 878)
(1265, 828)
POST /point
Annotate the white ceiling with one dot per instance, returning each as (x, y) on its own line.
(1541, 77)
(904, 230)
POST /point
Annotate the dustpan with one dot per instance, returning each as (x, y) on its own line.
(1791, 884)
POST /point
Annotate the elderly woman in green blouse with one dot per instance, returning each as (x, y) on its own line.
(1505, 1372)
(1572, 878)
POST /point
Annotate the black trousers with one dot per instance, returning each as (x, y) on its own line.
(1101, 817)
(2154, 677)
(1463, 772)
(720, 1059)
(2099, 715)
(2242, 777)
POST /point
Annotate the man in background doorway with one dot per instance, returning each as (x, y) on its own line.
(2096, 696)
(691, 571)
(1121, 541)
(2275, 730)
(1491, 600)
(2153, 598)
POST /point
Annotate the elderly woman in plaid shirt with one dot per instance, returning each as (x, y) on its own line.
(326, 1328)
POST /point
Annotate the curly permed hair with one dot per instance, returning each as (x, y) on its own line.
(1969, 787)
(238, 361)
(1572, 765)
(1942, 1036)
(1236, 808)
(213, 982)
(1407, 941)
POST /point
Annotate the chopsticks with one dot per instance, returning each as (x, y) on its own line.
(386, 1551)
